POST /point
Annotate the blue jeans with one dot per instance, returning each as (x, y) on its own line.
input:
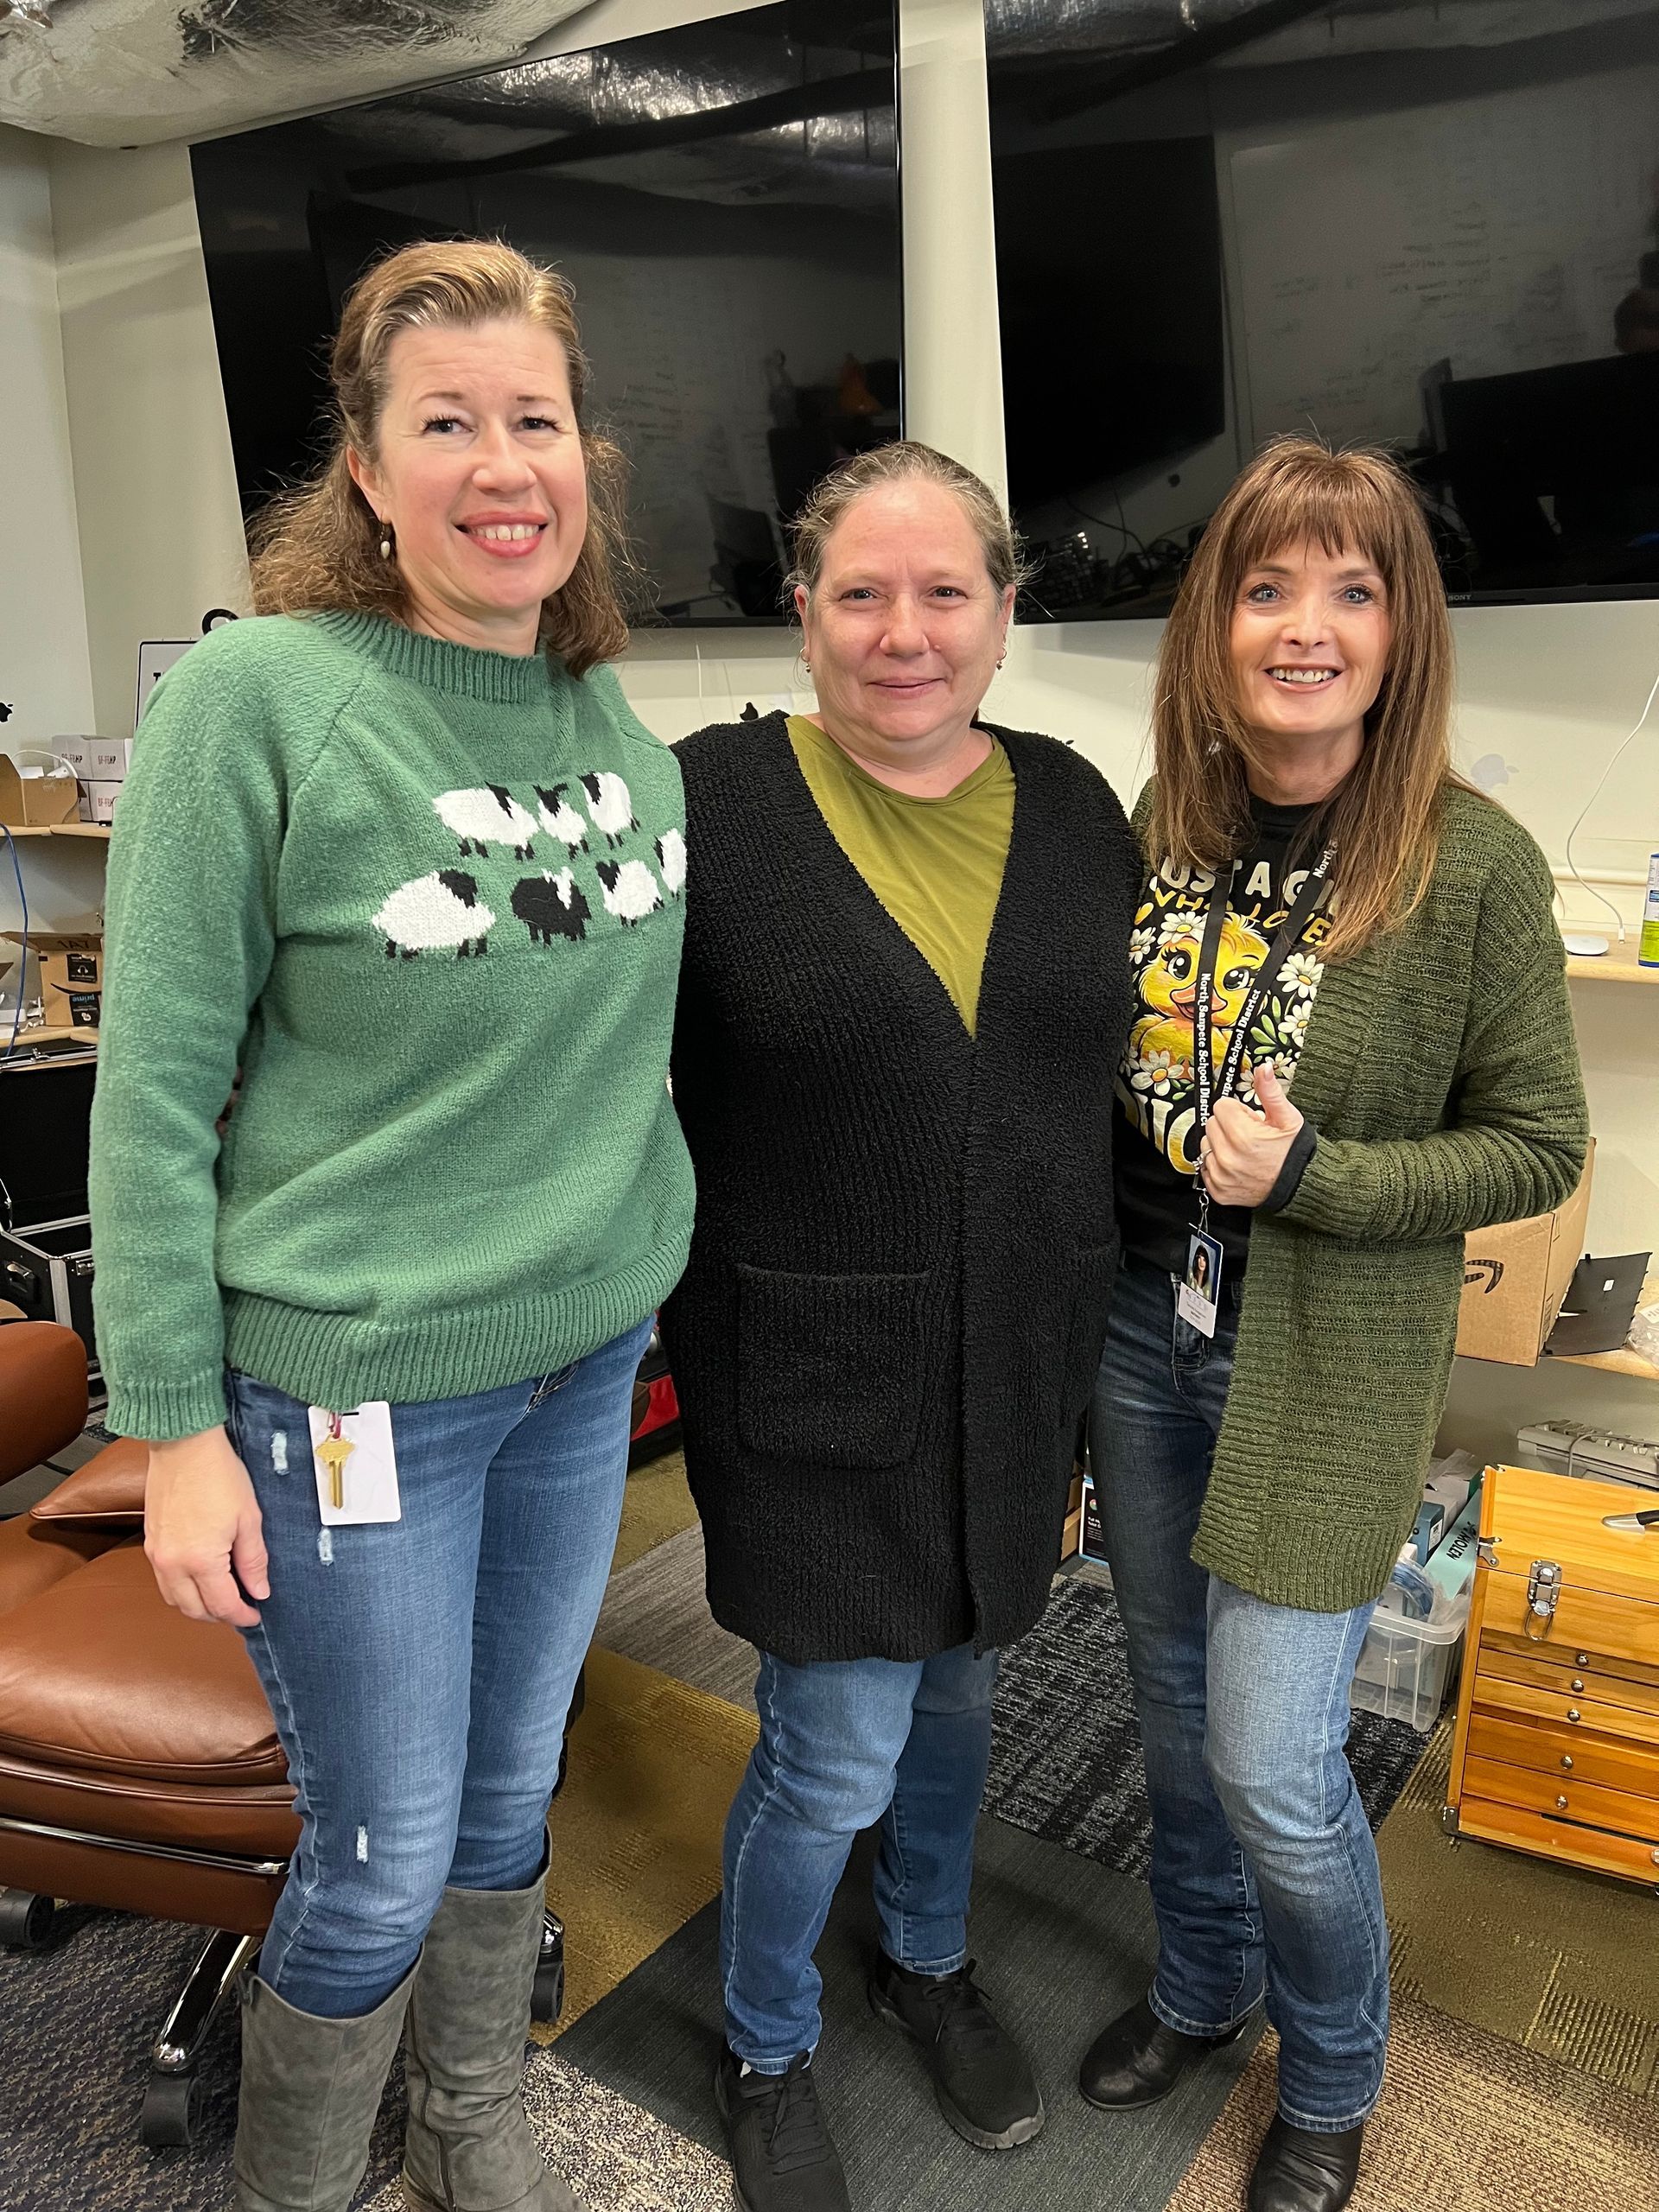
(845, 1743)
(421, 1670)
(1264, 1873)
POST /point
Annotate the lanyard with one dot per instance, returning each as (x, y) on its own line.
(1205, 1082)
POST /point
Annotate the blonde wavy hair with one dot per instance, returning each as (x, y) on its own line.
(317, 550)
(1384, 819)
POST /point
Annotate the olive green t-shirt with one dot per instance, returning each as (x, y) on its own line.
(936, 864)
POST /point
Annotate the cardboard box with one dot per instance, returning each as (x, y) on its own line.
(30, 800)
(72, 976)
(1515, 1277)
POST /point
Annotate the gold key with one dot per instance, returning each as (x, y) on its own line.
(334, 1451)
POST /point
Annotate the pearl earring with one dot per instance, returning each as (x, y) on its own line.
(388, 541)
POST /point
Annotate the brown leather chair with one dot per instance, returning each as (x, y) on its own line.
(139, 1762)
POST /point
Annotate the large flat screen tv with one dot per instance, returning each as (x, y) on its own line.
(725, 199)
(1431, 228)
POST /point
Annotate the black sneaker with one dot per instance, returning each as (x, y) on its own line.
(981, 2078)
(783, 2159)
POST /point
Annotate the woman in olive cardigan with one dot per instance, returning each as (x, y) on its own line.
(1384, 951)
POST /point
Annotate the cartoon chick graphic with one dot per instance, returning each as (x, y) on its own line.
(1168, 985)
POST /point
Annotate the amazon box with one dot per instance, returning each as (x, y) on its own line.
(31, 798)
(72, 976)
(1515, 1277)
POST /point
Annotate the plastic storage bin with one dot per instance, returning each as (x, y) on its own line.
(1407, 1668)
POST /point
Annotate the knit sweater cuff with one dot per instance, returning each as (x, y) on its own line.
(1288, 1181)
(159, 1413)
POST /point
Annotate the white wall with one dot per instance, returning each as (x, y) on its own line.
(1550, 691)
(44, 673)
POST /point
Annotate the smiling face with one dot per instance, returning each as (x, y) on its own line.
(478, 468)
(903, 627)
(1310, 639)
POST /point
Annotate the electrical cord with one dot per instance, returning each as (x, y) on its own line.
(1614, 758)
(22, 963)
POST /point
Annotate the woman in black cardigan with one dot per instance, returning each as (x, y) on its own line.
(902, 1002)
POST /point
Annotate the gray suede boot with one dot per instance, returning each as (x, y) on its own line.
(469, 2147)
(310, 2091)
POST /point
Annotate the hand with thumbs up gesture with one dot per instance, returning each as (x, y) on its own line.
(1244, 1151)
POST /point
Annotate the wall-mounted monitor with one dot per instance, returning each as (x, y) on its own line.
(1431, 228)
(725, 199)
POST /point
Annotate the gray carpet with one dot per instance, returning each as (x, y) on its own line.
(1064, 1944)
(75, 2030)
(655, 1612)
(1066, 1761)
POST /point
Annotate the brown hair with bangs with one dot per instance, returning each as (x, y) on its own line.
(1384, 817)
(317, 549)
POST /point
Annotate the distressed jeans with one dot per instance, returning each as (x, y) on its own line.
(845, 1743)
(1264, 1873)
(421, 1670)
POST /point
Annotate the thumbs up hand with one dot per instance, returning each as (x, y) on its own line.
(1244, 1149)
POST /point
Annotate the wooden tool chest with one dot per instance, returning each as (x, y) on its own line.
(1557, 1745)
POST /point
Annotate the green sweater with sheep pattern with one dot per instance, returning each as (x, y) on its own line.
(1441, 1073)
(430, 900)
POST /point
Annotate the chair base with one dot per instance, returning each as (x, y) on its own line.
(173, 2094)
(31, 1920)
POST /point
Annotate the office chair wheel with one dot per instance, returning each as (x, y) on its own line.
(547, 1996)
(29, 1922)
(172, 2111)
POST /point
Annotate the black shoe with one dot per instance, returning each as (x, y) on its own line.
(1298, 2171)
(1137, 2060)
(783, 2159)
(984, 2085)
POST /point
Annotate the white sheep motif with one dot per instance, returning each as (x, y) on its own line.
(671, 858)
(559, 819)
(610, 805)
(628, 888)
(487, 816)
(433, 912)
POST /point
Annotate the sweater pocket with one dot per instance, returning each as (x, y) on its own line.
(830, 1368)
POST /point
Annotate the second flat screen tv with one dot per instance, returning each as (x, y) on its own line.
(1434, 229)
(723, 197)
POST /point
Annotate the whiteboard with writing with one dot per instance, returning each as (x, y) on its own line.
(1498, 233)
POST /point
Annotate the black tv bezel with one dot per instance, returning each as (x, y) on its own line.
(1154, 607)
(639, 626)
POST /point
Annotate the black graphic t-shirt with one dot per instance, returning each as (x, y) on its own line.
(1155, 1158)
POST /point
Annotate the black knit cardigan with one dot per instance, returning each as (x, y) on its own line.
(903, 1247)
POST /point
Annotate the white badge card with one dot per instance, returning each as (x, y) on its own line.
(1197, 1300)
(356, 1466)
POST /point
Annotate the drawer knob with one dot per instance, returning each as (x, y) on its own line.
(1581, 1659)
(1572, 1712)
(1577, 1685)
(1654, 1855)
(1561, 1804)
(1566, 1760)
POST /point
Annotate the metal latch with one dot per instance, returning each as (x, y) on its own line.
(1486, 1551)
(1544, 1595)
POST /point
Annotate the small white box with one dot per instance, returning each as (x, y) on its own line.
(108, 760)
(97, 801)
(75, 753)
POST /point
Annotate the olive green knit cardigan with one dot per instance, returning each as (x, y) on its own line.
(1441, 1074)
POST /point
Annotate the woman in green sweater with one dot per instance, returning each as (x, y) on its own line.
(1331, 916)
(401, 852)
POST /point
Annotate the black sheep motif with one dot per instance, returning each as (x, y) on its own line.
(551, 906)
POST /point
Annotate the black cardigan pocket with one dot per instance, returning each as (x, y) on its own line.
(830, 1368)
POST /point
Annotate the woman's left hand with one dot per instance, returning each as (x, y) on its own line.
(1242, 1151)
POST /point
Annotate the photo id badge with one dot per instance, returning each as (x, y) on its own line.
(1197, 1300)
(356, 1466)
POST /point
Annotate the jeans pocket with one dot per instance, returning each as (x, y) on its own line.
(831, 1368)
